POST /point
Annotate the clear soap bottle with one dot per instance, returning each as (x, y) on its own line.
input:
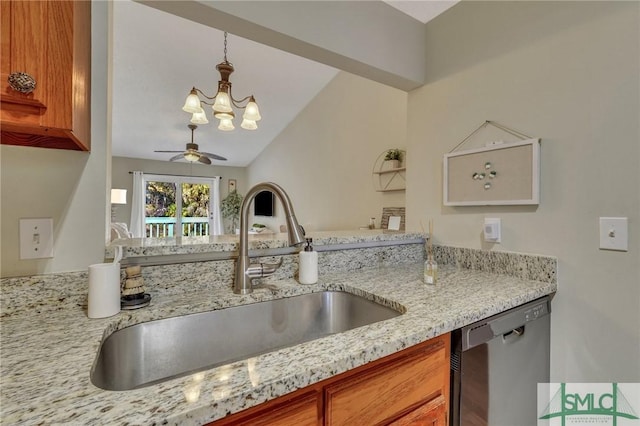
(430, 271)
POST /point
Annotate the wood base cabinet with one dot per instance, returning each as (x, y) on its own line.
(410, 387)
(46, 43)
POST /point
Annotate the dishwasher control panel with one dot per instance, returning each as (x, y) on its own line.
(535, 312)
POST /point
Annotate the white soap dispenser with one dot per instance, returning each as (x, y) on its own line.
(308, 273)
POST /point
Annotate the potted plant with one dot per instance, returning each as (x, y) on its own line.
(394, 156)
(258, 227)
(230, 208)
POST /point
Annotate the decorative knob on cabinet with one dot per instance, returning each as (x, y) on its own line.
(22, 82)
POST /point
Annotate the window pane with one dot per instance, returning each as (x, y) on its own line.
(195, 209)
(160, 212)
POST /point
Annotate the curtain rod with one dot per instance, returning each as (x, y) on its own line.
(166, 174)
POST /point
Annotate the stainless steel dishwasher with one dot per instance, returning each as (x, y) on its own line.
(496, 365)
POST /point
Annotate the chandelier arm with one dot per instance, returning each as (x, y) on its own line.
(212, 98)
(237, 103)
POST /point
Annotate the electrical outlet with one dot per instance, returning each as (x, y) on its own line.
(614, 233)
(36, 238)
(492, 230)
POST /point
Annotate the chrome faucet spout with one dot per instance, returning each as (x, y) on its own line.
(245, 271)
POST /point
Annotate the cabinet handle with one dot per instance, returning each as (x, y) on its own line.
(22, 82)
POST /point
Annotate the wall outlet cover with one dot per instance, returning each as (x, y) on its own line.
(492, 230)
(36, 238)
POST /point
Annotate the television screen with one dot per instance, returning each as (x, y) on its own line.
(263, 204)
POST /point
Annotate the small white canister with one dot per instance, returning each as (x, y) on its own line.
(104, 290)
(308, 264)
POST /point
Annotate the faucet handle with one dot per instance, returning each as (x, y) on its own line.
(270, 268)
(260, 270)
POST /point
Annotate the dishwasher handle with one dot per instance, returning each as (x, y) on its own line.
(512, 321)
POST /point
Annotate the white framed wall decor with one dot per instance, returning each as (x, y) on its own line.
(503, 174)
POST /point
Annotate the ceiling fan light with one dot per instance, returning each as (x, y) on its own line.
(223, 102)
(192, 103)
(252, 112)
(191, 157)
(226, 125)
(199, 118)
(249, 124)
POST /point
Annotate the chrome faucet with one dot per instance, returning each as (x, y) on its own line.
(245, 270)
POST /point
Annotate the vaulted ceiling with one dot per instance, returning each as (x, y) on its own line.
(157, 58)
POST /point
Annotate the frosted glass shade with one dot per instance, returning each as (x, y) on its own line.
(252, 112)
(223, 115)
(226, 125)
(249, 124)
(199, 118)
(192, 103)
(222, 103)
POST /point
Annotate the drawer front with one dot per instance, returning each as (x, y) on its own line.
(385, 393)
(303, 410)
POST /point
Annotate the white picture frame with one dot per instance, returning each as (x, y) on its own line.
(502, 174)
(394, 223)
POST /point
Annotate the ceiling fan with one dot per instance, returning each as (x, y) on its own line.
(192, 154)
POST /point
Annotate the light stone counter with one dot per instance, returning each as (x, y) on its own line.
(48, 344)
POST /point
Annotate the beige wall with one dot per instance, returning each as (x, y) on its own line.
(68, 186)
(325, 157)
(568, 73)
(565, 72)
(121, 178)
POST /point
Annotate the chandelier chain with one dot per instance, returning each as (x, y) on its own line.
(225, 47)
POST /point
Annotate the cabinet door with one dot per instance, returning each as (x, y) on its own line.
(24, 46)
(381, 394)
(50, 41)
(304, 410)
(433, 413)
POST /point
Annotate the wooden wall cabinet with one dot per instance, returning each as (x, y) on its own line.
(50, 41)
(410, 387)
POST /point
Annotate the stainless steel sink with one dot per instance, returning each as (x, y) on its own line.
(151, 352)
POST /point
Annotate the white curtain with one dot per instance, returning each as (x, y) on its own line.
(217, 227)
(137, 227)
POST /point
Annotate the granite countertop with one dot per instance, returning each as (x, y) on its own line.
(48, 350)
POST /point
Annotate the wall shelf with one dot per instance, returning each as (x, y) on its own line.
(386, 177)
(383, 172)
(390, 190)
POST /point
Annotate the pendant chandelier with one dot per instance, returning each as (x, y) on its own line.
(223, 101)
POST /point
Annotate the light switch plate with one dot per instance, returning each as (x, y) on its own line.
(614, 233)
(36, 238)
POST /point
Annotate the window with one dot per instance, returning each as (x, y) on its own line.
(180, 206)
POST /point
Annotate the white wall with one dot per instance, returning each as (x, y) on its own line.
(367, 38)
(567, 72)
(68, 186)
(324, 158)
(121, 178)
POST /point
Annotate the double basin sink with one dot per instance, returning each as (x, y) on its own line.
(155, 351)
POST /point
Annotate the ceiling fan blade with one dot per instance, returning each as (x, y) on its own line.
(214, 156)
(177, 157)
(168, 151)
(204, 159)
